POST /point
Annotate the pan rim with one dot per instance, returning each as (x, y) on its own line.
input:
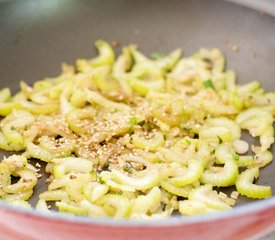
(253, 207)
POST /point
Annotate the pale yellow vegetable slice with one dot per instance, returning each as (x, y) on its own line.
(94, 190)
(194, 207)
(156, 141)
(143, 203)
(223, 177)
(71, 164)
(179, 191)
(246, 187)
(120, 203)
(209, 197)
(147, 179)
(194, 172)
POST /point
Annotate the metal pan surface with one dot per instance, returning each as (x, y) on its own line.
(36, 36)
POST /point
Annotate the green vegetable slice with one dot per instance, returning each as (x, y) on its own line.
(246, 187)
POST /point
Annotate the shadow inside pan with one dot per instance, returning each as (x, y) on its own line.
(37, 35)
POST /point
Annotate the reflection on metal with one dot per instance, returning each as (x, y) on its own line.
(263, 6)
(37, 11)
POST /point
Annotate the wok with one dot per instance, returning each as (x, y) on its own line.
(36, 36)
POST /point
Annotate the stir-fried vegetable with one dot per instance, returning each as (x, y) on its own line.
(137, 137)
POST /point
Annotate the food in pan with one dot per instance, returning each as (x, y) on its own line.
(137, 137)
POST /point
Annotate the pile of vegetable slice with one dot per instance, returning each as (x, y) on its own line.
(137, 137)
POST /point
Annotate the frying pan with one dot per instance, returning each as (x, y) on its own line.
(36, 36)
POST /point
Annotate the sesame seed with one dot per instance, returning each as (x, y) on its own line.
(235, 48)
(73, 176)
